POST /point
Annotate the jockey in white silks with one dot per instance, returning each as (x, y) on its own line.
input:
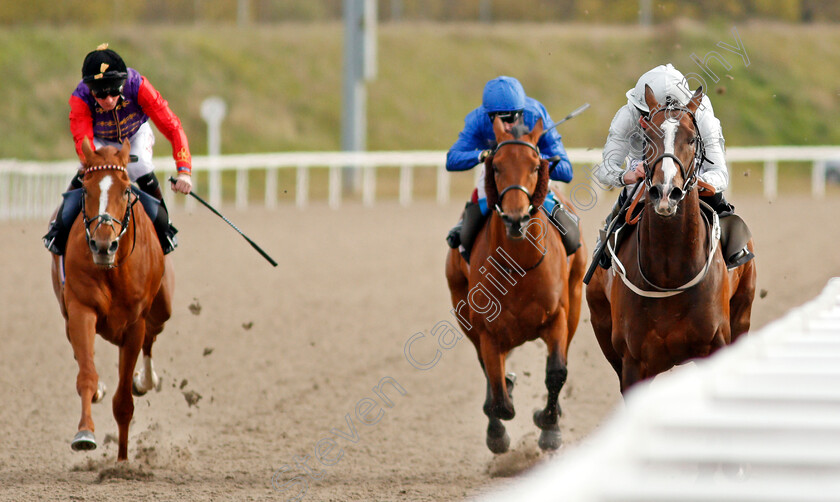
(623, 154)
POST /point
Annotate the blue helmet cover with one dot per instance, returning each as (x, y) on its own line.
(503, 94)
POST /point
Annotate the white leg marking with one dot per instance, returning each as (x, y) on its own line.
(145, 379)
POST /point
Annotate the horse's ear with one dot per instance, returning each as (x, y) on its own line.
(696, 99)
(87, 149)
(537, 131)
(498, 128)
(125, 152)
(650, 98)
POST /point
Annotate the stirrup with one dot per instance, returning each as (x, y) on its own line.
(453, 238)
(50, 239)
(739, 258)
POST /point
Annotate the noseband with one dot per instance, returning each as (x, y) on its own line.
(531, 208)
(105, 218)
(699, 154)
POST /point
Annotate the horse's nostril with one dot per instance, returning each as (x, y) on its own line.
(655, 192)
(113, 247)
(676, 194)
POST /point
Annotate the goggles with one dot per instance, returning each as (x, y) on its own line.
(507, 117)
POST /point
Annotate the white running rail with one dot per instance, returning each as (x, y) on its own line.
(759, 421)
(31, 189)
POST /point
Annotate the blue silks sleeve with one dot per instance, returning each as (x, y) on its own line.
(463, 155)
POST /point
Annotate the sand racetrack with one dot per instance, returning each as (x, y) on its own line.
(280, 357)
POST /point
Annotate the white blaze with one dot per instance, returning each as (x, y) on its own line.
(669, 168)
(104, 185)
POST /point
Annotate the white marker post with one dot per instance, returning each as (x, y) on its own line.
(213, 110)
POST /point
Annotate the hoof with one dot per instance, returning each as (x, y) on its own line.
(83, 441)
(498, 444)
(101, 390)
(136, 390)
(550, 439)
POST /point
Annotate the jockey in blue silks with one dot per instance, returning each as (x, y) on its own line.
(503, 97)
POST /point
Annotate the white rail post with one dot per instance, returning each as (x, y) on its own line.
(335, 187)
(442, 185)
(271, 187)
(215, 185)
(5, 205)
(369, 186)
(406, 184)
(771, 175)
(302, 187)
(818, 179)
(241, 189)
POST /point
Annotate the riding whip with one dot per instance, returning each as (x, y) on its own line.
(572, 115)
(598, 252)
(252, 243)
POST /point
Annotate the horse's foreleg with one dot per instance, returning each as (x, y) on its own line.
(555, 376)
(497, 404)
(631, 373)
(123, 403)
(81, 331)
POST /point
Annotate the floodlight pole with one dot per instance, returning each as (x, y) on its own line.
(359, 67)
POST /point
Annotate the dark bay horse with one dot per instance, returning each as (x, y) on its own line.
(669, 297)
(112, 280)
(520, 284)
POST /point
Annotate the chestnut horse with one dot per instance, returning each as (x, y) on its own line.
(112, 280)
(669, 297)
(520, 284)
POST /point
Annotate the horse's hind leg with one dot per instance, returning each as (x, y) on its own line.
(555, 376)
(145, 379)
(123, 403)
(81, 330)
(740, 305)
(577, 269)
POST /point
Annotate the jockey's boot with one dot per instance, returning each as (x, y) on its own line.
(163, 227)
(56, 238)
(605, 259)
(463, 234)
(734, 231)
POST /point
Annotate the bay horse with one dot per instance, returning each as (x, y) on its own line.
(520, 284)
(669, 297)
(113, 280)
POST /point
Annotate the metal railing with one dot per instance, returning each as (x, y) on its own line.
(31, 189)
(759, 420)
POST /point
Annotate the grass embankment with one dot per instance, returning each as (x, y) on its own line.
(282, 82)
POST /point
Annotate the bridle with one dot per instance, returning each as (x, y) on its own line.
(105, 218)
(689, 174)
(712, 227)
(531, 209)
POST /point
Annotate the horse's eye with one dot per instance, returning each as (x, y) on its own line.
(691, 141)
(536, 168)
(495, 170)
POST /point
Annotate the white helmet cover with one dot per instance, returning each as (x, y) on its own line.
(664, 80)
